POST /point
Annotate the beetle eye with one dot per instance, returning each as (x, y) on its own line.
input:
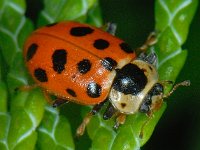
(157, 89)
(145, 106)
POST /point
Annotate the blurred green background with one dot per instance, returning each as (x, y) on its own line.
(179, 127)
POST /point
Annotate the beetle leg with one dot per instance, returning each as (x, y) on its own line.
(151, 104)
(154, 106)
(81, 129)
(110, 111)
(151, 40)
(58, 102)
(26, 87)
(54, 103)
(110, 28)
(47, 97)
(97, 107)
(150, 116)
(121, 118)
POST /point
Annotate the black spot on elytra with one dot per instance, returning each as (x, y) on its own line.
(71, 92)
(109, 63)
(59, 59)
(51, 24)
(130, 79)
(40, 75)
(81, 31)
(125, 47)
(101, 44)
(93, 90)
(84, 66)
(31, 51)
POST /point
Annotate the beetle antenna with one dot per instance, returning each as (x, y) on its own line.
(184, 83)
(151, 40)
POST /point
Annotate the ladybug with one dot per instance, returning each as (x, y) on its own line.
(86, 65)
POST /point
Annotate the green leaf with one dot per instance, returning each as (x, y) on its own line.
(3, 97)
(13, 33)
(59, 10)
(94, 16)
(21, 128)
(18, 128)
(27, 110)
(4, 127)
(173, 30)
(176, 15)
(12, 22)
(54, 132)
